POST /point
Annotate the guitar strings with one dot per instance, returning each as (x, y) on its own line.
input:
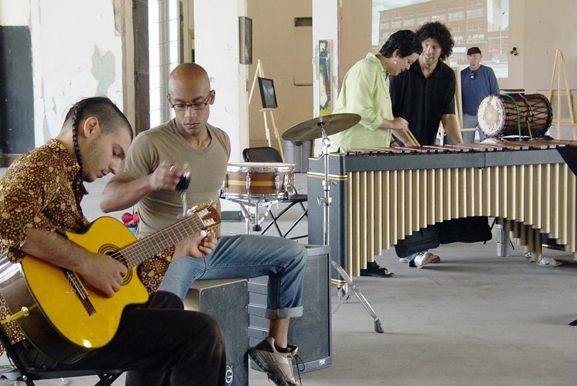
(148, 246)
(137, 252)
(76, 284)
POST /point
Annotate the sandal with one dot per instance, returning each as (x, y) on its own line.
(374, 270)
(548, 262)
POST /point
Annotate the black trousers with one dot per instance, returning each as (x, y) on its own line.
(158, 344)
(465, 230)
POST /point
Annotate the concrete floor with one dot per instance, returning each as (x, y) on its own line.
(474, 319)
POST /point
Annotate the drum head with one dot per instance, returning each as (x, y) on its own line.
(491, 116)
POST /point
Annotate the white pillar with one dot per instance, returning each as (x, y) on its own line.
(325, 27)
(217, 50)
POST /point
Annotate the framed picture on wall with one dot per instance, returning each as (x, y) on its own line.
(267, 93)
(245, 39)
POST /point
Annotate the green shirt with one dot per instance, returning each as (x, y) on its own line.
(365, 91)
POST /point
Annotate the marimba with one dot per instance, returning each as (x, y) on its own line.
(381, 196)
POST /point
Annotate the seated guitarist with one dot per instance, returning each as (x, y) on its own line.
(158, 343)
(151, 173)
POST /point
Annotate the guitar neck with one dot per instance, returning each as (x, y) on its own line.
(143, 249)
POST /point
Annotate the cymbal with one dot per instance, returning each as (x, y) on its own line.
(313, 128)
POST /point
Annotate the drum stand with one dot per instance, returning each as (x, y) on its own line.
(253, 218)
(343, 290)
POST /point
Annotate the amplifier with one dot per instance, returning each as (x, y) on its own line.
(226, 301)
(311, 332)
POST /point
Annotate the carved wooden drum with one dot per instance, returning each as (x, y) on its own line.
(259, 180)
(525, 115)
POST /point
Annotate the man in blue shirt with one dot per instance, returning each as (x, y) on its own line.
(477, 82)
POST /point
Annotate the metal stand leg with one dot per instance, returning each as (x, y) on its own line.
(503, 239)
(253, 220)
(344, 294)
(325, 201)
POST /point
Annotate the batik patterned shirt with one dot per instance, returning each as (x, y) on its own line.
(38, 191)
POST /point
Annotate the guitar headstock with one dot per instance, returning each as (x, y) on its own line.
(207, 214)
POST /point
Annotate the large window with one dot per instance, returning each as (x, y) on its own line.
(164, 47)
(481, 23)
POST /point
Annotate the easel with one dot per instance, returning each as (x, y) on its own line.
(559, 71)
(259, 72)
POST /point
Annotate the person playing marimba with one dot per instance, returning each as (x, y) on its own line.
(365, 91)
(425, 96)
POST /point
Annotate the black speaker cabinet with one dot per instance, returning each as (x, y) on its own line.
(226, 301)
(312, 331)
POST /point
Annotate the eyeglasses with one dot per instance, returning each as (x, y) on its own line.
(473, 74)
(181, 106)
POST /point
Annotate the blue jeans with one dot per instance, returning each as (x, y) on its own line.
(470, 121)
(247, 256)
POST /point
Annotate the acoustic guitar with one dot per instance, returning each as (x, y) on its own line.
(64, 318)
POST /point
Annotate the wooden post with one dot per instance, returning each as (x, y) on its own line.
(280, 147)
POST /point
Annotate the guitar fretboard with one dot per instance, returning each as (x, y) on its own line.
(143, 249)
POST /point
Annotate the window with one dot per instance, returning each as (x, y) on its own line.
(482, 23)
(165, 52)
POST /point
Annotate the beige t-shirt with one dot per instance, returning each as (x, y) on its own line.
(164, 143)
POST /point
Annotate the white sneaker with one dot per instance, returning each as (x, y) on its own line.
(278, 366)
(423, 259)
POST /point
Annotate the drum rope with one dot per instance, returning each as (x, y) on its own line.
(530, 114)
(517, 109)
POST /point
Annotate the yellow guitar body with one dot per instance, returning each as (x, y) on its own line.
(62, 306)
(61, 315)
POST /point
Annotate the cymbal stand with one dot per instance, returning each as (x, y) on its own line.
(325, 201)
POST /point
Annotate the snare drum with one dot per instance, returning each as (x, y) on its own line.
(515, 114)
(259, 180)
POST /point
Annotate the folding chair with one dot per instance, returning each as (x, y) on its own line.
(270, 154)
(22, 371)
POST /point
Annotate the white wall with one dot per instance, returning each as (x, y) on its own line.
(548, 26)
(76, 53)
(14, 12)
(325, 27)
(285, 55)
(216, 49)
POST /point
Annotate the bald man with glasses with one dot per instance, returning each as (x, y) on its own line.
(151, 173)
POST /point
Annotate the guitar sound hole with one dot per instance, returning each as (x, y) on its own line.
(120, 258)
(112, 251)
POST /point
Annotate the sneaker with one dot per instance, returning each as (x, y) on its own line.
(529, 256)
(423, 259)
(278, 366)
(436, 259)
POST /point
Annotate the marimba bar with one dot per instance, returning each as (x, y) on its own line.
(381, 196)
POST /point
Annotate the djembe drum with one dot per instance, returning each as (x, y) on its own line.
(518, 114)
